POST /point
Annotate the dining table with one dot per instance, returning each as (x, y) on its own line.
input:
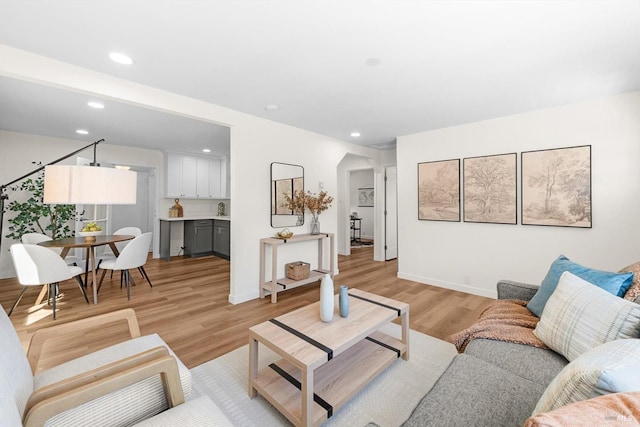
(88, 243)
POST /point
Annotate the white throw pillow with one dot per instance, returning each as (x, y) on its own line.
(580, 316)
(612, 367)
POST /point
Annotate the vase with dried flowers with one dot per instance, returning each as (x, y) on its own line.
(295, 202)
(316, 205)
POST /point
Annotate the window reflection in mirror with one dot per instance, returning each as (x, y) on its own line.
(285, 179)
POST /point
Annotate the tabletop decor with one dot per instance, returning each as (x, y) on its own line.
(295, 203)
(327, 301)
(316, 205)
(284, 234)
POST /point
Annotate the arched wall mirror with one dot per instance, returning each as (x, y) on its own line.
(285, 179)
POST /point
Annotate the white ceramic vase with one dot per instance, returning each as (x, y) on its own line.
(327, 299)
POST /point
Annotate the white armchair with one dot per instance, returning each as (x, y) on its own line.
(72, 394)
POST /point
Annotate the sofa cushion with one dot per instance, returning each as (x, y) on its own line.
(633, 293)
(614, 283)
(611, 367)
(198, 412)
(131, 404)
(580, 316)
(14, 365)
(474, 392)
(619, 409)
(10, 413)
(535, 364)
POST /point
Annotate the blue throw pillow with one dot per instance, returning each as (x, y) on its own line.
(614, 283)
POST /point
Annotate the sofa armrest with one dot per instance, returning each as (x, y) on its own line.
(509, 289)
(76, 391)
(42, 335)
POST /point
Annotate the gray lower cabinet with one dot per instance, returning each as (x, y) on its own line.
(198, 237)
(222, 238)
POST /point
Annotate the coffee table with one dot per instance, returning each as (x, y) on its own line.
(324, 364)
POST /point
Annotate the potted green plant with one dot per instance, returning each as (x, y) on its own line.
(34, 216)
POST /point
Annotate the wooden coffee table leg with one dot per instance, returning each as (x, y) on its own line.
(404, 318)
(307, 397)
(253, 366)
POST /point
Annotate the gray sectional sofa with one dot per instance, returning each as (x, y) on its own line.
(492, 383)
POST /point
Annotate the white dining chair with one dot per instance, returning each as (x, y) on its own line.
(108, 253)
(35, 238)
(36, 266)
(134, 255)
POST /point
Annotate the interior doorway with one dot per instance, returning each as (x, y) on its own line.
(361, 208)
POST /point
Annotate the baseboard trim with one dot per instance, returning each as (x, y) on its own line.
(449, 285)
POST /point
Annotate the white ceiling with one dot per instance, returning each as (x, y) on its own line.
(441, 63)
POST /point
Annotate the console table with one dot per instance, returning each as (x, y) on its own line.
(276, 285)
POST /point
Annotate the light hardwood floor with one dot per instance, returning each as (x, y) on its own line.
(188, 306)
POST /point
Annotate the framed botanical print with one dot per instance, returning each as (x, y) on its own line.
(490, 189)
(439, 190)
(556, 187)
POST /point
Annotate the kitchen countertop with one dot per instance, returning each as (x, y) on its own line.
(195, 217)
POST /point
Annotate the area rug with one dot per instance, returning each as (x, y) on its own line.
(387, 401)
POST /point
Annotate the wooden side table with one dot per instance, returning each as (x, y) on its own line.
(276, 285)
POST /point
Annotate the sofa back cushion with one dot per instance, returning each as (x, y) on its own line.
(14, 366)
(614, 283)
(580, 316)
(612, 367)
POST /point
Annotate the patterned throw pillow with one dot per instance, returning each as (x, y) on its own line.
(616, 409)
(634, 291)
(580, 316)
(612, 367)
(614, 283)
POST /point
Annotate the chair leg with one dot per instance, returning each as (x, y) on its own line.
(79, 280)
(144, 274)
(127, 281)
(101, 279)
(24, 288)
(54, 289)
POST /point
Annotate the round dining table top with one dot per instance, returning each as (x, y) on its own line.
(84, 242)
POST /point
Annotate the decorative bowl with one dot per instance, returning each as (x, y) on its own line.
(285, 234)
(89, 235)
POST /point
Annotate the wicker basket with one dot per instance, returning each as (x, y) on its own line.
(297, 270)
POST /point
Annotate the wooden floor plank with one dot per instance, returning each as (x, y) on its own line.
(188, 306)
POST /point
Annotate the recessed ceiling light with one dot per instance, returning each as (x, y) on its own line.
(355, 134)
(271, 108)
(120, 58)
(206, 150)
(82, 132)
(94, 104)
(372, 62)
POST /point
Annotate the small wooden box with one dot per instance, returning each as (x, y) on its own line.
(298, 270)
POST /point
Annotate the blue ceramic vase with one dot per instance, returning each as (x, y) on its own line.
(343, 301)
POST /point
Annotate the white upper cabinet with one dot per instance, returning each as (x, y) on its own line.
(193, 177)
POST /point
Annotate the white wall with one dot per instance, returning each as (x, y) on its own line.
(361, 179)
(255, 143)
(18, 150)
(444, 253)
